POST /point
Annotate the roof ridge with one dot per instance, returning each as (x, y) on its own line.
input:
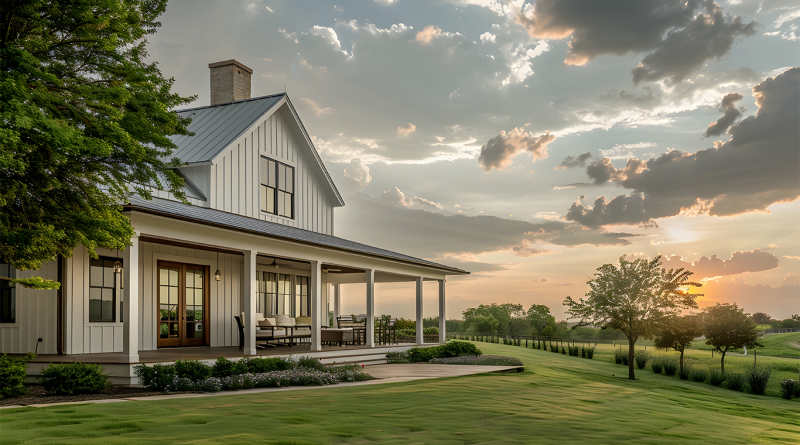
(230, 103)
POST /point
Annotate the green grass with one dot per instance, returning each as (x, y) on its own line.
(779, 345)
(558, 399)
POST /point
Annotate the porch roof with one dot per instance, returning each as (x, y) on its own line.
(218, 218)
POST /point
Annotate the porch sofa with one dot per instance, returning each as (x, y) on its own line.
(279, 328)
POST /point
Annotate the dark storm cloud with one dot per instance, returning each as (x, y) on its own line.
(763, 153)
(574, 161)
(728, 107)
(680, 35)
(755, 260)
(500, 151)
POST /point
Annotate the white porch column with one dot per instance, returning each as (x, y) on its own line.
(316, 306)
(370, 324)
(420, 338)
(337, 302)
(442, 321)
(130, 295)
(250, 289)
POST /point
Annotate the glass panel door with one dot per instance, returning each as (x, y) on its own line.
(181, 304)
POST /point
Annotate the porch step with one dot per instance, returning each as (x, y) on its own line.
(358, 359)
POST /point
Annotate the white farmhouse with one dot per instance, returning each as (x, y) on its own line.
(256, 242)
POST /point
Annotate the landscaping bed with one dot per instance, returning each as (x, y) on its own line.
(453, 352)
(38, 395)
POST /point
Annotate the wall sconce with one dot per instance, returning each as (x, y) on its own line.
(117, 264)
(217, 274)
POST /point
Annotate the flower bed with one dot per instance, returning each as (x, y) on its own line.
(228, 375)
(486, 360)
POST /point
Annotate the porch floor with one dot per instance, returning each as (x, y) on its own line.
(211, 353)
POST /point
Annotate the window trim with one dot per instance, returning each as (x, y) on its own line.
(115, 295)
(277, 189)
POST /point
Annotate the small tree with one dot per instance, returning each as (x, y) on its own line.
(727, 327)
(678, 333)
(539, 317)
(633, 298)
(761, 318)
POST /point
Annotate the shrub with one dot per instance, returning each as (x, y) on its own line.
(735, 381)
(348, 373)
(583, 351)
(670, 365)
(74, 378)
(716, 377)
(590, 353)
(641, 357)
(487, 360)
(657, 364)
(757, 378)
(685, 371)
(310, 363)
(12, 375)
(449, 349)
(397, 357)
(563, 350)
(788, 388)
(259, 365)
(192, 370)
(226, 368)
(699, 375)
(618, 356)
(432, 330)
(157, 377)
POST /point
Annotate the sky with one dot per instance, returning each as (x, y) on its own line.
(532, 142)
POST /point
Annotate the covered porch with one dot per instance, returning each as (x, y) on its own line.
(190, 271)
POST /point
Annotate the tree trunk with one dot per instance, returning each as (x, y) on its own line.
(681, 373)
(631, 374)
(722, 362)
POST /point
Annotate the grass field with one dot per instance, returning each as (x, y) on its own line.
(558, 399)
(779, 345)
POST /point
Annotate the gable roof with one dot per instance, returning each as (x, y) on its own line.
(202, 215)
(215, 127)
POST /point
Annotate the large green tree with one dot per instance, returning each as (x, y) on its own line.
(678, 333)
(633, 298)
(510, 318)
(84, 123)
(726, 327)
(539, 317)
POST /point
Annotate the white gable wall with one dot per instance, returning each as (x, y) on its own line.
(235, 177)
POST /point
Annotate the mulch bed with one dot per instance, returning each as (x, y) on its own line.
(37, 394)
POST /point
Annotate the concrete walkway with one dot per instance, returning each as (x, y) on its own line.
(383, 374)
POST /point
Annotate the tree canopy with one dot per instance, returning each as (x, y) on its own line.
(510, 318)
(727, 327)
(539, 317)
(678, 333)
(84, 123)
(633, 298)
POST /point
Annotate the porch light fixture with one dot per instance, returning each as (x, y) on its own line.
(274, 263)
(117, 264)
(217, 274)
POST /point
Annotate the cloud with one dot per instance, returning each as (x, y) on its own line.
(728, 106)
(432, 234)
(356, 176)
(330, 36)
(520, 65)
(762, 152)
(625, 151)
(574, 161)
(541, 280)
(755, 260)
(488, 37)
(397, 198)
(779, 301)
(791, 257)
(526, 249)
(315, 108)
(644, 100)
(385, 2)
(679, 39)
(428, 33)
(406, 129)
(288, 35)
(500, 151)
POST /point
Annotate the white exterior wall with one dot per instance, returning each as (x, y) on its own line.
(36, 316)
(235, 177)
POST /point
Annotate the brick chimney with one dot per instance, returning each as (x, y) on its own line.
(230, 81)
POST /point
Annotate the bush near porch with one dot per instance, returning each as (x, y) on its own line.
(247, 373)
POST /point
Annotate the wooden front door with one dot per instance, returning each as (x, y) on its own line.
(182, 304)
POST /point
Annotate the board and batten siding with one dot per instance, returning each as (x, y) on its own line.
(36, 316)
(235, 177)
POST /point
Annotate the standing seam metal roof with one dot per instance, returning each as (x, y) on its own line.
(217, 126)
(243, 223)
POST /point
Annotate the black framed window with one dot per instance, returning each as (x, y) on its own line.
(102, 290)
(277, 188)
(8, 294)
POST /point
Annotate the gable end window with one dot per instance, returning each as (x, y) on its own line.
(8, 294)
(103, 286)
(277, 188)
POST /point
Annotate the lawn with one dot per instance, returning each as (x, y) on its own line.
(558, 399)
(779, 345)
